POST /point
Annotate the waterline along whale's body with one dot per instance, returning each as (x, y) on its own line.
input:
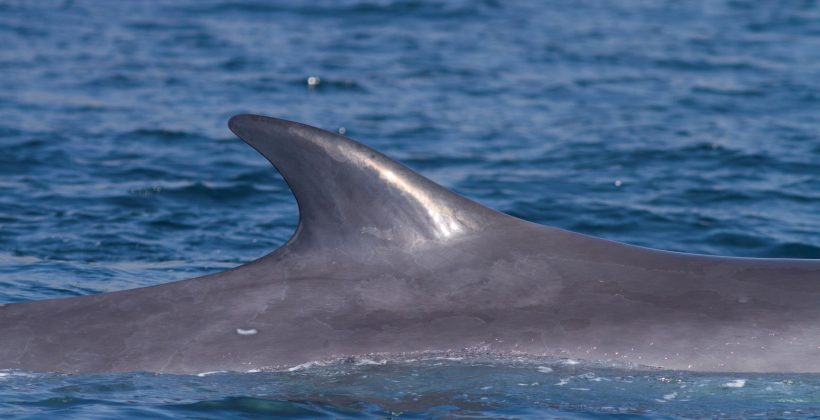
(386, 261)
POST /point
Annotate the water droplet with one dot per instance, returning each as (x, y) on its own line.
(313, 81)
(618, 183)
(342, 130)
(251, 331)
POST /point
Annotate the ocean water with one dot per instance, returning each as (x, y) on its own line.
(688, 126)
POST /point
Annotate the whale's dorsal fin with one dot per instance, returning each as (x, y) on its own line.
(348, 193)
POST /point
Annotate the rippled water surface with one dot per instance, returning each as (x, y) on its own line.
(689, 126)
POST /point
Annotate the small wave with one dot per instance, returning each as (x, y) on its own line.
(186, 192)
(792, 250)
(715, 64)
(159, 134)
(250, 406)
(200, 191)
(728, 91)
(360, 9)
(117, 80)
(738, 240)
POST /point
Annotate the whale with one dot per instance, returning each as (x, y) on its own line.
(386, 262)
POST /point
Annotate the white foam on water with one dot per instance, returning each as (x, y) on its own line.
(8, 374)
(367, 362)
(735, 383)
(204, 374)
(307, 365)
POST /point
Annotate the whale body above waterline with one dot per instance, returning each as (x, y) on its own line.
(386, 261)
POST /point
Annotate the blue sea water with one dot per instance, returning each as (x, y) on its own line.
(688, 126)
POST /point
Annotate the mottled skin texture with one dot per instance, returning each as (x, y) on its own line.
(386, 261)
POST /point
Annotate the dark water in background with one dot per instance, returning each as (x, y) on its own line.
(689, 126)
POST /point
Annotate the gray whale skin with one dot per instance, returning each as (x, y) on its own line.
(386, 261)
